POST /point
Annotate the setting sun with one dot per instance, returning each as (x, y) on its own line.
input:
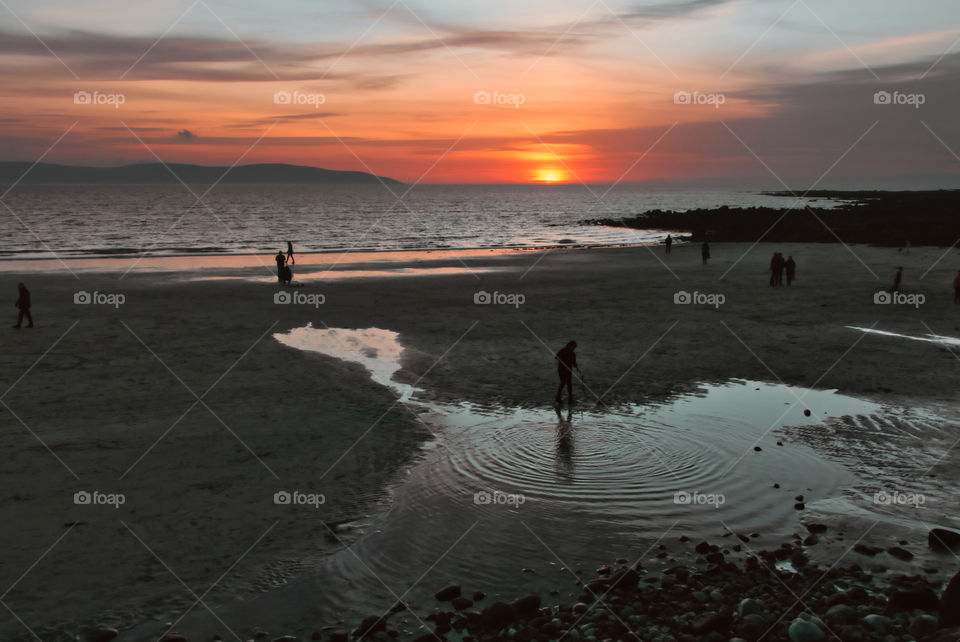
(550, 176)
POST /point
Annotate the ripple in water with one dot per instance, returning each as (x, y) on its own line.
(504, 489)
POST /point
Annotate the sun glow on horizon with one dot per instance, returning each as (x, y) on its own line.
(550, 175)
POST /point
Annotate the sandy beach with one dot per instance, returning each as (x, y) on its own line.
(181, 400)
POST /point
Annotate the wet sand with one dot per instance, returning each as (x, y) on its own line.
(114, 397)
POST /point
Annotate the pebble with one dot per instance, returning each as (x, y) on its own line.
(900, 553)
(527, 605)
(804, 631)
(447, 593)
(878, 623)
(102, 635)
(839, 614)
(942, 539)
(499, 614)
(922, 626)
(461, 603)
(749, 606)
(920, 597)
(950, 603)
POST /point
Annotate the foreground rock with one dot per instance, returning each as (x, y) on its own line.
(712, 599)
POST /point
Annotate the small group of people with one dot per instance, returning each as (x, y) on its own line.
(284, 261)
(704, 249)
(779, 265)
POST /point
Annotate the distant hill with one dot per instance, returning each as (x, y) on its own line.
(159, 174)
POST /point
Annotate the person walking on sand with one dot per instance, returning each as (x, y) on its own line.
(290, 253)
(566, 362)
(896, 280)
(705, 252)
(668, 243)
(23, 304)
(791, 266)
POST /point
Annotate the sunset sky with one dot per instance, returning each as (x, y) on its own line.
(494, 91)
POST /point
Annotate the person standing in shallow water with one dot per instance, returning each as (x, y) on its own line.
(23, 304)
(566, 362)
(791, 269)
(705, 252)
(668, 243)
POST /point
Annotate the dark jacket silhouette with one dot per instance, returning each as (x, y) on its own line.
(791, 266)
(566, 362)
(23, 304)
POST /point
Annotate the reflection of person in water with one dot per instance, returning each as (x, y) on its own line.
(564, 443)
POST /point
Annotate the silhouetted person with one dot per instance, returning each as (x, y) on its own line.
(668, 243)
(956, 288)
(281, 262)
(23, 304)
(286, 275)
(775, 267)
(705, 252)
(566, 362)
(791, 266)
(781, 265)
(896, 280)
(290, 253)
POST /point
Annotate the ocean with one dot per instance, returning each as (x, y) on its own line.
(170, 220)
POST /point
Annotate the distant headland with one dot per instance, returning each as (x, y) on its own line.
(172, 173)
(892, 219)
